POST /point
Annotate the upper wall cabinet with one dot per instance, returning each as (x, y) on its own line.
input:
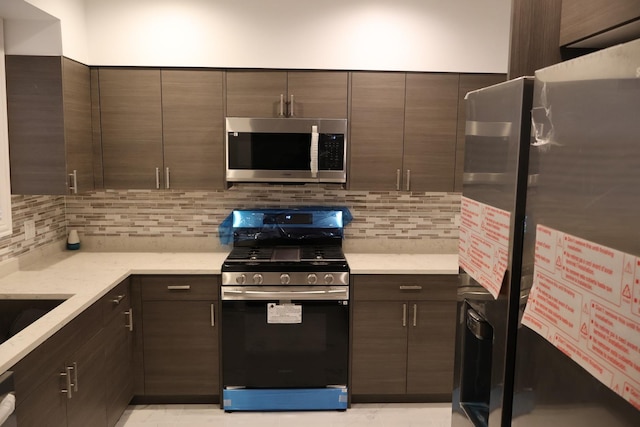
(161, 128)
(403, 131)
(311, 94)
(49, 117)
(599, 23)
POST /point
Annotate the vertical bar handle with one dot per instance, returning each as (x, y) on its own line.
(404, 315)
(75, 376)
(281, 112)
(291, 114)
(167, 184)
(67, 376)
(398, 179)
(129, 314)
(213, 315)
(74, 182)
(158, 178)
(408, 179)
(415, 315)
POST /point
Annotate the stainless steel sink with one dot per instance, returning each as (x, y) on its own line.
(17, 314)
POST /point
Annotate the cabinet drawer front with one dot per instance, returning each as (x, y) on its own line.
(179, 287)
(116, 301)
(402, 287)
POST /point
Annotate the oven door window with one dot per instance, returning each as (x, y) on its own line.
(267, 348)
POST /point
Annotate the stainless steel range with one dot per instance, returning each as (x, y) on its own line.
(285, 311)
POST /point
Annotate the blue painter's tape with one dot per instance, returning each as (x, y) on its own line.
(296, 399)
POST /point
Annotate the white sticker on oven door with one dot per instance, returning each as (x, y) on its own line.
(284, 313)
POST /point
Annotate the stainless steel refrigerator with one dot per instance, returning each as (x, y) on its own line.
(577, 348)
(496, 178)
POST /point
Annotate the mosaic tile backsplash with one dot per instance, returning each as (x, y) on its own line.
(400, 219)
(378, 216)
(48, 214)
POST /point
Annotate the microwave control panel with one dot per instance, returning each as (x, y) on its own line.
(331, 151)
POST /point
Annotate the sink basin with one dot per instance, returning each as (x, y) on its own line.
(17, 314)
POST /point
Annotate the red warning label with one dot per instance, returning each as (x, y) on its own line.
(483, 248)
(584, 300)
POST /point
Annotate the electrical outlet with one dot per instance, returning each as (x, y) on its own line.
(29, 230)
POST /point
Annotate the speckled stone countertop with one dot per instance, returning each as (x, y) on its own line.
(81, 278)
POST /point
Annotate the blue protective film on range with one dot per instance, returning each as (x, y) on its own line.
(263, 224)
(294, 399)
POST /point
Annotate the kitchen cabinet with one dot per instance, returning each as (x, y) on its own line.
(376, 141)
(430, 122)
(180, 336)
(599, 23)
(403, 337)
(161, 128)
(61, 382)
(310, 94)
(49, 118)
(118, 336)
(468, 83)
(403, 131)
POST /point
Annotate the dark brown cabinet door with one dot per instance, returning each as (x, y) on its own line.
(180, 348)
(255, 93)
(47, 406)
(76, 93)
(193, 129)
(377, 117)
(318, 94)
(468, 83)
(49, 117)
(131, 122)
(431, 347)
(87, 405)
(379, 359)
(430, 120)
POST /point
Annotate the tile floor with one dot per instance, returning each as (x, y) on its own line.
(359, 415)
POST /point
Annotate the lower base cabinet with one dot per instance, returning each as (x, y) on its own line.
(67, 381)
(403, 329)
(180, 337)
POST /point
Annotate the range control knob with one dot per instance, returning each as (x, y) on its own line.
(312, 279)
(285, 278)
(241, 279)
(257, 279)
(328, 279)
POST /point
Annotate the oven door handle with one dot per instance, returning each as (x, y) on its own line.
(291, 293)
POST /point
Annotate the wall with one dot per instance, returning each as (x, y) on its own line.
(48, 213)
(407, 35)
(147, 220)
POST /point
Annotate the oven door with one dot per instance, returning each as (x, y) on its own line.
(285, 337)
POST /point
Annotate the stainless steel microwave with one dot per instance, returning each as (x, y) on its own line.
(286, 150)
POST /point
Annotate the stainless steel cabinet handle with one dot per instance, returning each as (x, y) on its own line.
(75, 376)
(408, 179)
(117, 300)
(415, 315)
(281, 113)
(213, 316)
(404, 315)
(167, 184)
(410, 287)
(398, 179)
(178, 287)
(291, 114)
(158, 178)
(129, 314)
(67, 376)
(74, 182)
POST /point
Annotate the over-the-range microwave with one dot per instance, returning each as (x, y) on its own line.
(292, 150)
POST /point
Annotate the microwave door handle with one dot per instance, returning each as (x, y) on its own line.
(314, 152)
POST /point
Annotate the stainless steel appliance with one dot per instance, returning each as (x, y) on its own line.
(285, 312)
(286, 150)
(496, 179)
(586, 115)
(7, 400)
